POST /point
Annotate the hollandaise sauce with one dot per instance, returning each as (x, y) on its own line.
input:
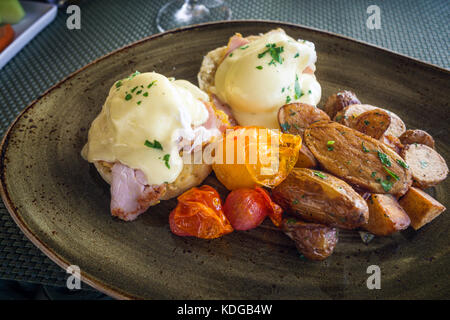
(256, 79)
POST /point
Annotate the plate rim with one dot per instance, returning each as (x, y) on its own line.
(102, 287)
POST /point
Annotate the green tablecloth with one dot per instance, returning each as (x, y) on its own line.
(416, 28)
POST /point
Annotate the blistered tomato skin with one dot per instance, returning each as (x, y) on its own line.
(247, 208)
(199, 214)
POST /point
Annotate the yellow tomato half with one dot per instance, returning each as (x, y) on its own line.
(252, 156)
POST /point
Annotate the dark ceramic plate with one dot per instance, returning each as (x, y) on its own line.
(62, 205)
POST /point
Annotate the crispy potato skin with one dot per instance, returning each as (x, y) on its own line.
(420, 207)
(327, 200)
(314, 241)
(386, 216)
(350, 113)
(428, 168)
(417, 136)
(374, 123)
(392, 142)
(354, 163)
(294, 118)
(306, 158)
(339, 101)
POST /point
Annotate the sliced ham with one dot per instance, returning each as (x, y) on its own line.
(235, 42)
(130, 193)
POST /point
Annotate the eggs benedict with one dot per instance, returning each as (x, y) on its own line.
(255, 76)
(136, 140)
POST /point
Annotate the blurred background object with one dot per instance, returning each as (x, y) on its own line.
(180, 13)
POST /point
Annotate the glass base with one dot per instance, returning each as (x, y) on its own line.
(179, 13)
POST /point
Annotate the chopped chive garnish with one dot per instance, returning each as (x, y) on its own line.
(155, 144)
(319, 174)
(297, 55)
(139, 92)
(309, 91)
(166, 159)
(259, 67)
(285, 126)
(366, 122)
(244, 47)
(118, 84)
(392, 174)
(330, 142)
(128, 97)
(139, 102)
(373, 174)
(402, 163)
(275, 53)
(384, 159)
(298, 91)
(145, 94)
(230, 55)
(151, 84)
(387, 185)
(134, 89)
(288, 99)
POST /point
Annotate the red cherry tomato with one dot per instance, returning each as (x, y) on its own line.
(199, 214)
(247, 208)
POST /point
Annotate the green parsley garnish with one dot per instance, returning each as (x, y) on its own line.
(259, 67)
(134, 89)
(387, 185)
(285, 126)
(309, 91)
(384, 159)
(118, 84)
(155, 144)
(230, 55)
(275, 53)
(288, 99)
(145, 94)
(151, 84)
(298, 90)
(319, 174)
(139, 92)
(244, 47)
(402, 163)
(166, 159)
(128, 97)
(139, 102)
(392, 174)
(364, 148)
(297, 55)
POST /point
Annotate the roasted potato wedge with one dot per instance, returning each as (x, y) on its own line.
(417, 136)
(374, 123)
(428, 168)
(321, 197)
(314, 241)
(339, 101)
(294, 118)
(386, 216)
(350, 113)
(357, 158)
(306, 158)
(420, 207)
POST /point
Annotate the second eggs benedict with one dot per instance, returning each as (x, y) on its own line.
(257, 75)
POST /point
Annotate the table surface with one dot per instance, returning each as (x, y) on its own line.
(419, 29)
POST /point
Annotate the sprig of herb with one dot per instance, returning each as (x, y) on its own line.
(275, 53)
